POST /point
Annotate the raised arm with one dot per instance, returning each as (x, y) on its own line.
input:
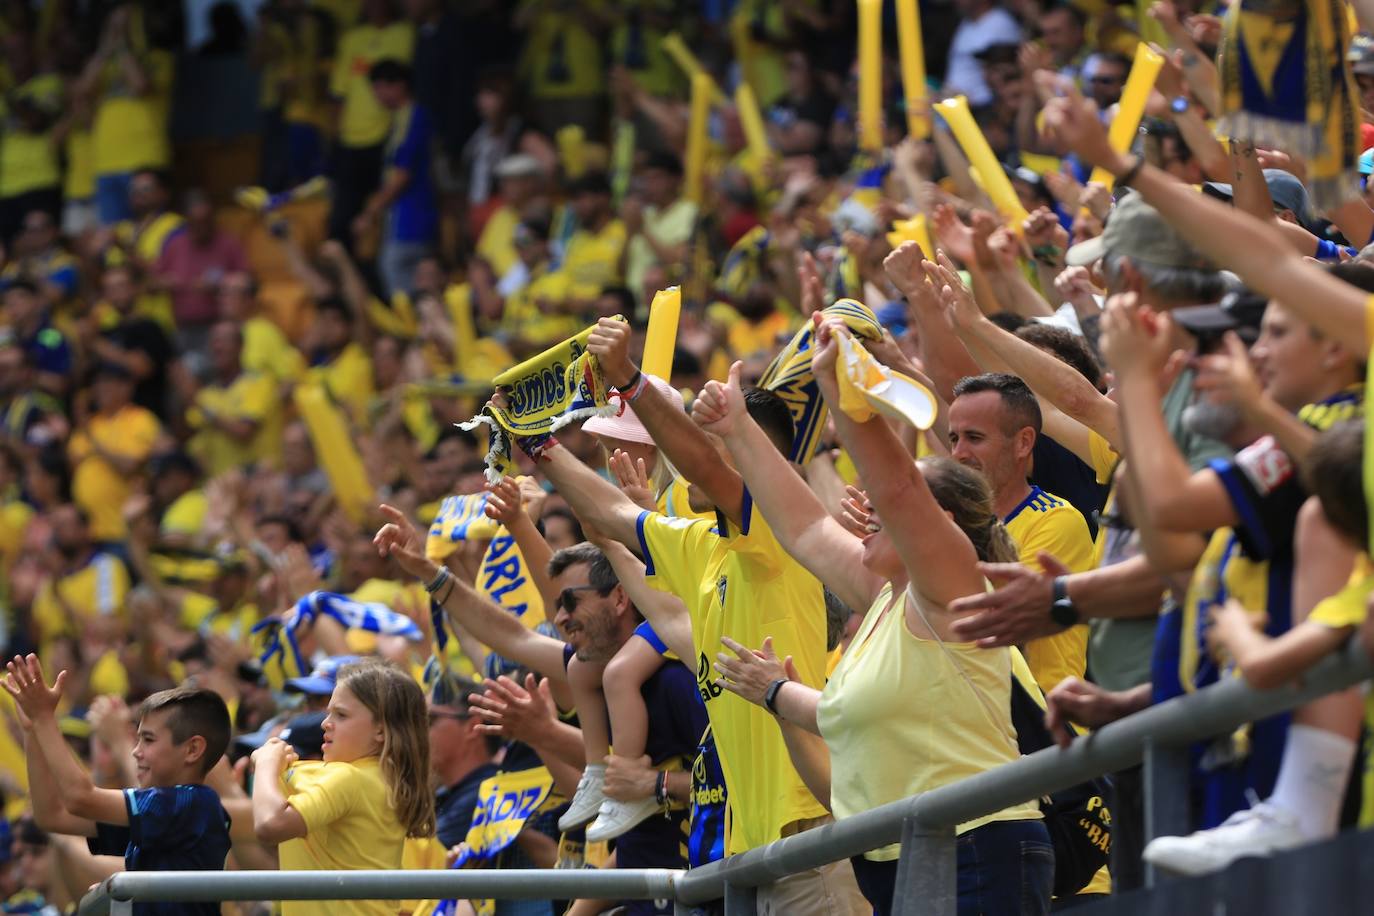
(1049, 377)
(802, 525)
(83, 803)
(1256, 251)
(1137, 343)
(510, 503)
(938, 556)
(597, 501)
(676, 436)
(486, 620)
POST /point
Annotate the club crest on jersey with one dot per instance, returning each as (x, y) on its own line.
(720, 590)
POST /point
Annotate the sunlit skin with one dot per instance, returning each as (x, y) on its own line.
(351, 732)
(158, 759)
(1290, 362)
(978, 439)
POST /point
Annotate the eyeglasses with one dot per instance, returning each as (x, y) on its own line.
(1106, 80)
(435, 716)
(567, 599)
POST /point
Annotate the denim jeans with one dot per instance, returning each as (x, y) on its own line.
(1004, 868)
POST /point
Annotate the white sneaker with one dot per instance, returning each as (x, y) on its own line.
(587, 800)
(1258, 831)
(617, 817)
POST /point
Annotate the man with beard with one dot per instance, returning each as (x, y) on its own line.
(596, 617)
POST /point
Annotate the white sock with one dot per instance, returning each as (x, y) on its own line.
(1312, 779)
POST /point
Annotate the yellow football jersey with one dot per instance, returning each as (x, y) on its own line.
(739, 582)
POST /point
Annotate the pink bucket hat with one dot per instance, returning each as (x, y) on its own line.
(625, 426)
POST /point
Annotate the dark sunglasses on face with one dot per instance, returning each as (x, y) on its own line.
(567, 599)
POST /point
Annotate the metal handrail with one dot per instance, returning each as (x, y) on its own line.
(1178, 722)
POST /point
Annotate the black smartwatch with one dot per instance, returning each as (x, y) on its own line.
(770, 696)
(1062, 610)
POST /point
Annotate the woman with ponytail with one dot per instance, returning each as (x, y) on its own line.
(356, 808)
(908, 708)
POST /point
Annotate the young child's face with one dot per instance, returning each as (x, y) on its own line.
(158, 758)
(350, 730)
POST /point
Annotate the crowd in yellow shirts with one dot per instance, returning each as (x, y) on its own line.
(933, 402)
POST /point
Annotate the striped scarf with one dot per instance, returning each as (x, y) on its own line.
(280, 654)
(1286, 84)
(789, 375)
(543, 394)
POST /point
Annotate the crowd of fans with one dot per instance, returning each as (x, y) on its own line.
(269, 606)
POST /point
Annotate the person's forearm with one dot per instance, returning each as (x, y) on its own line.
(561, 743)
(1294, 436)
(1258, 253)
(1250, 192)
(49, 812)
(537, 554)
(1204, 145)
(1199, 72)
(1023, 298)
(596, 500)
(690, 451)
(1149, 449)
(825, 481)
(810, 758)
(943, 354)
(269, 801)
(502, 631)
(1125, 590)
(796, 705)
(1051, 378)
(790, 507)
(392, 187)
(665, 612)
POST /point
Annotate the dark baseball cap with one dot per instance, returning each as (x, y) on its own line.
(1240, 311)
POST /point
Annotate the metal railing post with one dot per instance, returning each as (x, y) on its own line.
(741, 900)
(926, 882)
(1165, 779)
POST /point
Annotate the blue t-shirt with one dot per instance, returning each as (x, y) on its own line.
(413, 216)
(171, 828)
(453, 806)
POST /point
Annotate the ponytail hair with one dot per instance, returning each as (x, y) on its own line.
(398, 705)
(965, 494)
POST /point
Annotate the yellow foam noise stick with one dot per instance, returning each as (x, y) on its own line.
(871, 75)
(696, 137)
(912, 230)
(675, 48)
(751, 122)
(661, 336)
(571, 140)
(909, 43)
(992, 177)
(334, 448)
(1131, 108)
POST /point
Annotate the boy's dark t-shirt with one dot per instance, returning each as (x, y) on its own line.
(171, 828)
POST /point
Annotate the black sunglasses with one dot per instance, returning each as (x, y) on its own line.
(567, 599)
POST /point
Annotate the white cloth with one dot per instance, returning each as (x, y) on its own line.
(965, 72)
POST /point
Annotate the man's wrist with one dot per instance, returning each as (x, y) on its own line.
(627, 376)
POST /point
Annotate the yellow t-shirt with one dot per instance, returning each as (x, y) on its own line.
(349, 825)
(79, 182)
(363, 121)
(186, 514)
(562, 57)
(146, 240)
(1347, 607)
(28, 161)
(903, 715)
(95, 590)
(739, 582)
(1044, 522)
(496, 244)
(592, 261)
(348, 379)
(97, 487)
(130, 131)
(266, 350)
(249, 397)
(670, 226)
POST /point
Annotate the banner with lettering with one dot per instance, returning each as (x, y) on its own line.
(504, 803)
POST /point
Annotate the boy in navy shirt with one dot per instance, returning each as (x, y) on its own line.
(172, 821)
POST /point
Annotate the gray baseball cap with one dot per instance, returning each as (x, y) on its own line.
(1135, 229)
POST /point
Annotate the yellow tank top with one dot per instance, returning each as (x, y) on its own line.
(900, 719)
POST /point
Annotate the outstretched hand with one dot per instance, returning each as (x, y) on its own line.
(720, 405)
(749, 672)
(398, 538)
(505, 502)
(633, 477)
(511, 711)
(31, 693)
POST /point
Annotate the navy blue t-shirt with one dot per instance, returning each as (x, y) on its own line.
(453, 806)
(1057, 470)
(677, 720)
(414, 216)
(171, 828)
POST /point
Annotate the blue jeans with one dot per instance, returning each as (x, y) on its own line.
(1006, 867)
(112, 197)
